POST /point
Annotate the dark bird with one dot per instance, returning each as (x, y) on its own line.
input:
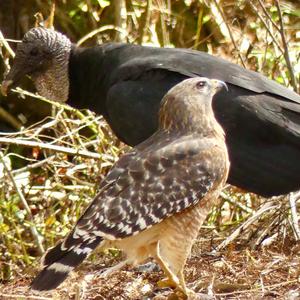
(125, 83)
(155, 198)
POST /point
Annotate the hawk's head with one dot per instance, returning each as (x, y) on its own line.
(188, 105)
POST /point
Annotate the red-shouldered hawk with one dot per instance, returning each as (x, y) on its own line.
(155, 198)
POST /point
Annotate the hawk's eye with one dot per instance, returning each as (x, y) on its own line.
(201, 84)
(34, 52)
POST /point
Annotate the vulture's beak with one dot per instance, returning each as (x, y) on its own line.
(14, 76)
(5, 86)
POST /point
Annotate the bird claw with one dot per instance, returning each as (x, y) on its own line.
(167, 282)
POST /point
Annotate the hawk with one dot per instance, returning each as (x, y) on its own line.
(155, 198)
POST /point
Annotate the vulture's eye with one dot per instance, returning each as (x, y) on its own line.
(201, 84)
(34, 52)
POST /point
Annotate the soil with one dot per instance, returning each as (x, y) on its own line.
(234, 273)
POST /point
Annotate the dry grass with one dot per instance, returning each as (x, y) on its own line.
(44, 186)
(268, 273)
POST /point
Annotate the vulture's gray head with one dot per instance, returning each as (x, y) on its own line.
(188, 105)
(44, 56)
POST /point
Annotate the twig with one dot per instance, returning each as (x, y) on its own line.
(268, 287)
(34, 165)
(121, 20)
(145, 22)
(7, 117)
(267, 27)
(246, 224)
(29, 216)
(294, 216)
(199, 27)
(80, 115)
(267, 228)
(239, 205)
(6, 45)
(268, 15)
(22, 297)
(163, 11)
(286, 49)
(230, 33)
(66, 150)
(73, 187)
(102, 29)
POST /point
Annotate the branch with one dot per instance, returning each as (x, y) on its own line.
(286, 49)
(66, 150)
(267, 27)
(240, 229)
(230, 33)
(29, 215)
(145, 22)
(6, 45)
(120, 19)
(102, 29)
(295, 219)
(268, 15)
(11, 120)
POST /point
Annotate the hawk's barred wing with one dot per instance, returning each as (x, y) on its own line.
(146, 187)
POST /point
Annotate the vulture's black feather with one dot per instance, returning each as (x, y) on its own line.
(125, 83)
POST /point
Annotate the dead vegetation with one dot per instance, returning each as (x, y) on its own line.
(249, 247)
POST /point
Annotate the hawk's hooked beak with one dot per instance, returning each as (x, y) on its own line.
(218, 85)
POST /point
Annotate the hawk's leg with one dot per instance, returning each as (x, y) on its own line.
(175, 278)
(172, 280)
(171, 255)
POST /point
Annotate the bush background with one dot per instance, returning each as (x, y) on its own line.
(43, 191)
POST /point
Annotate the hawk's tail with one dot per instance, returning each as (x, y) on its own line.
(62, 259)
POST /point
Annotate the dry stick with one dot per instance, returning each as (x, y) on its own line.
(145, 22)
(286, 49)
(295, 219)
(3, 113)
(266, 26)
(268, 31)
(91, 14)
(80, 115)
(22, 297)
(246, 224)
(33, 229)
(162, 9)
(11, 120)
(268, 15)
(101, 29)
(266, 229)
(120, 19)
(272, 286)
(229, 31)
(6, 45)
(66, 150)
(199, 27)
(34, 165)
(239, 205)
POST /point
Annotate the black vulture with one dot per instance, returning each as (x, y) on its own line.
(125, 83)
